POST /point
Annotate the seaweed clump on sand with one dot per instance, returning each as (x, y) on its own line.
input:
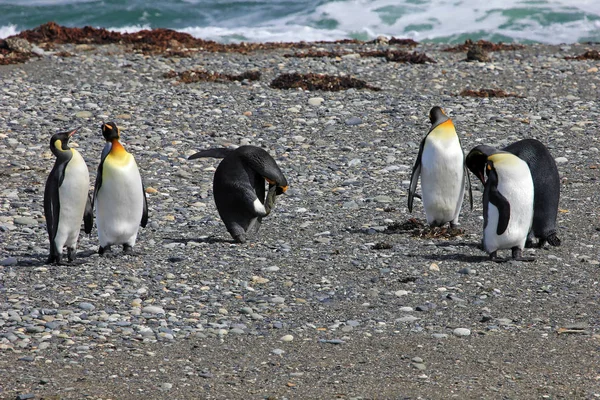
(192, 76)
(484, 45)
(389, 55)
(319, 82)
(9, 55)
(155, 41)
(418, 229)
(400, 56)
(588, 55)
(487, 93)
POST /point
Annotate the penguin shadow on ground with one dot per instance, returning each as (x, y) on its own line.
(204, 239)
(40, 259)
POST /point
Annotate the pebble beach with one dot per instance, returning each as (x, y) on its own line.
(342, 294)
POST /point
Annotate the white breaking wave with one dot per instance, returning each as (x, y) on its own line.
(294, 33)
(544, 21)
(129, 28)
(8, 30)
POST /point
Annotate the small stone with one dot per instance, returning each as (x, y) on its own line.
(277, 300)
(166, 386)
(25, 221)
(440, 336)
(277, 352)
(87, 306)
(401, 293)
(8, 262)
(84, 114)
(561, 160)
(153, 310)
(461, 332)
(408, 318)
(287, 338)
(353, 121)
(316, 101)
(151, 190)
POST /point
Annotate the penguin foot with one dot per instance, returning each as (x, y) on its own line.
(241, 238)
(71, 254)
(52, 259)
(516, 255)
(103, 250)
(494, 257)
(127, 249)
(553, 239)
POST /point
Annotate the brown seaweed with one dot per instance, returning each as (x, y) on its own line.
(588, 55)
(485, 45)
(192, 76)
(313, 82)
(487, 93)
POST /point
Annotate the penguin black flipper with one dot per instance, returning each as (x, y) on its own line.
(144, 221)
(503, 206)
(470, 190)
(88, 216)
(414, 178)
(221, 152)
(98, 183)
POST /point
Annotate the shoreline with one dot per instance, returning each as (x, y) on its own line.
(323, 269)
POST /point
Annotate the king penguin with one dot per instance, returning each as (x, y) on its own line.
(440, 163)
(546, 184)
(507, 205)
(66, 198)
(119, 195)
(239, 187)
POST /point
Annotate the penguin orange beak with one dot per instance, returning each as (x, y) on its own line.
(482, 177)
(281, 189)
(74, 131)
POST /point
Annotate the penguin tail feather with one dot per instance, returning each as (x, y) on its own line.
(214, 153)
(553, 239)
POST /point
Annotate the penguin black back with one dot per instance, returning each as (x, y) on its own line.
(546, 182)
(545, 177)
(239, 187)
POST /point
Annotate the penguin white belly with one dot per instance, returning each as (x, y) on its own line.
(517, 188)
(120, 202)
(442, 179)
(73, 195)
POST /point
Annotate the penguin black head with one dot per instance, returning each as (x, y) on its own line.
(60, 141)
(282, 187)
(477, 160)
(110, 131)
(437, 115)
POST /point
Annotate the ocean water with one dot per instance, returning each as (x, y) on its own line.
(445, 21)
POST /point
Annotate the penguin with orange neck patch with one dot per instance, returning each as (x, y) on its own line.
(239, 187)
(66, 198)
(440, 163)
(119, 195)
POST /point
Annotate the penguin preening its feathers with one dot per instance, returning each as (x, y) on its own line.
(440, 164)
(66, 198)
(546, 183)
(119, 196)
(239, 187)
(507, 205)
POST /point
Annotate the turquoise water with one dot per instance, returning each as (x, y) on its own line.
(544, 21)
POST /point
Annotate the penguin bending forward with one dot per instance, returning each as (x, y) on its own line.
(119, 195)
(66, 198)
(239, 187)
(507, 205)
(546, 184)
(440, 163)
